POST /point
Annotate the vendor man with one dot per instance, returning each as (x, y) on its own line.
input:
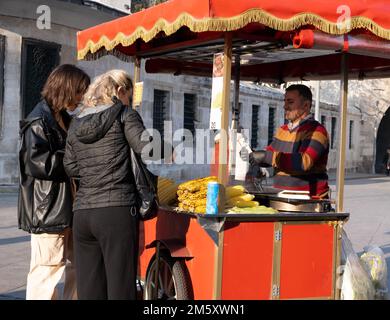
(299, 150)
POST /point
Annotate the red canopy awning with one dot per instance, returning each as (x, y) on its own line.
(202, 16)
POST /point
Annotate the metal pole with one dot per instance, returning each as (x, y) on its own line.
(223, 144)
(137, 71)
(236, 109)
(343, 132)
(317, 105)
(235, 118)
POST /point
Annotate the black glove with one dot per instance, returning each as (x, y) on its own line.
(257, 157)
(244, 154)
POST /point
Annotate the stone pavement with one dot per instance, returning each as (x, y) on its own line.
(14, 250)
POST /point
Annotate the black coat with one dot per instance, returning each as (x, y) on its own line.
(45, 200)
(97, 152)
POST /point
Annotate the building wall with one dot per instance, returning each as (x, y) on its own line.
(122, 5)
(354, 161)
(177, 86)
(10, 114)
(368, 100)
(15, 29)
(18, 20)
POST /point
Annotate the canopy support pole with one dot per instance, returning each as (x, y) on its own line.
(235, 119)
(343, 132)
(317, 104)
(236, 108)
(137, 69)
(137, 73)
(223, 145)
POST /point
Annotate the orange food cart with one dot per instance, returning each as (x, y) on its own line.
(289, 255)
(241, 256)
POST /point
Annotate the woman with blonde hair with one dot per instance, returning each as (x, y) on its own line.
(105, 211)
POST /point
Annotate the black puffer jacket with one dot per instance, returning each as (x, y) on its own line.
(45, 200)
(97, 151)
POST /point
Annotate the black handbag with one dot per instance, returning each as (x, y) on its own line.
(146, 185)
(144, 180)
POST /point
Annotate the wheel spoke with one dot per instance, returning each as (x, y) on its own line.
(170, 285)
(160, 286)
(152, 284)
(166, 278)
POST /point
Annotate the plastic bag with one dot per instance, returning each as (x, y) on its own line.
(356, 282)
(374, 261)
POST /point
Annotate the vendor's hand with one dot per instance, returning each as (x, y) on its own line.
(257, 157)
(244, 154)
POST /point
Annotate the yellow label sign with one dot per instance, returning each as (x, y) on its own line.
(137, 94)
(216, 92)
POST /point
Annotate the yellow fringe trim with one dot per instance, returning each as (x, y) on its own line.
(230, 24)
(103, 52)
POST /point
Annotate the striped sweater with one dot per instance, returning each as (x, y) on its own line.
(300, 156)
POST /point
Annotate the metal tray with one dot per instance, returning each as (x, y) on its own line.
(293, 205)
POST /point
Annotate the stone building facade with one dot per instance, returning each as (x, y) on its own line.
(369, 105)
(25, 36)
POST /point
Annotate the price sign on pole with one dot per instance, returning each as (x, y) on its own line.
(216, 92)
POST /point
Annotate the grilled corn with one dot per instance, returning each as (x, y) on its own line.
(234, 191)
(196, 184)
(244, 197)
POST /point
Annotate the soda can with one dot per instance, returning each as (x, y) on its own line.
(212, 198)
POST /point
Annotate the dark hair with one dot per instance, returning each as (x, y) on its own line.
(303, 90)
(63, 85)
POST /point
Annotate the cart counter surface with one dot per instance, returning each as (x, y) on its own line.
(281, 216)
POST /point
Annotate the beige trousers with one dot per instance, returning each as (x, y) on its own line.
(51, 257)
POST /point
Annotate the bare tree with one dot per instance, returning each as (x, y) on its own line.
(138, 5)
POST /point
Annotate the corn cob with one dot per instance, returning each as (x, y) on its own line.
(195, 203)
(200, 209)
(181, 192)
(234, 191)
(196, 184)
(247, 204)
(193, 196)
(244, 197)
(184, 207)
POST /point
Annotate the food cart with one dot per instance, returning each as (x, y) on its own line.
(242, 256)
(289, 255)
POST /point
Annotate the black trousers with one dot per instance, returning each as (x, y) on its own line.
(106, 253)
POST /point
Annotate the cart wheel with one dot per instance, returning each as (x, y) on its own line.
(174, 281)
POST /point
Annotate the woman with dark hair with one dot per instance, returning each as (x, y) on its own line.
(45, 195)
